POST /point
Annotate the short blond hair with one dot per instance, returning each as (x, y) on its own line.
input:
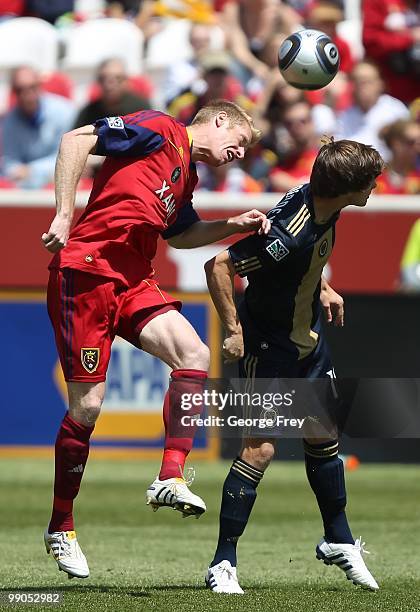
(235, 114)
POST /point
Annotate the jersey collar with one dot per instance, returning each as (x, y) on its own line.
(309, 201)
(190, 140)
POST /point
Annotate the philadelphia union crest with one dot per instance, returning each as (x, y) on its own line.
(90, 359)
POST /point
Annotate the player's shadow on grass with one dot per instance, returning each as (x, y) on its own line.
(80, 588)
(94, 588)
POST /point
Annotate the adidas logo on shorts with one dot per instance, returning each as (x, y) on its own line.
(77, 468)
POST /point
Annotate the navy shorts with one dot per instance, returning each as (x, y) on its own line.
(262, 360)
(271, 369)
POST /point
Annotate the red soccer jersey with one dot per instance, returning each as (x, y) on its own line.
(391, 183)
(298, 166)
(143, 190)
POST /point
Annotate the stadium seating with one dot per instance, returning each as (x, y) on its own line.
(94, 41)
(26, 40)
(171, 45)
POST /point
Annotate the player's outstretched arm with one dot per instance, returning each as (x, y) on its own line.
(333, 304)
(74, 150)
(207, 232)
(220, 274)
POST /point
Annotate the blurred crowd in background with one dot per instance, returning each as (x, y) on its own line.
(66, 63)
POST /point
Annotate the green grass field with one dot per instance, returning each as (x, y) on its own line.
(140, 560)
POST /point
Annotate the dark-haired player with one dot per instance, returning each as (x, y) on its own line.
(277, 333)
(102, 282)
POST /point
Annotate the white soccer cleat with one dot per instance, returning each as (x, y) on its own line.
(66, 551)
(222, 578)
(174, 492)
(348, 557)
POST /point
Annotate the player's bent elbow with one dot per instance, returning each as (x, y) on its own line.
(219, 266)
(85, 136)
(66, 139)
(209, 266)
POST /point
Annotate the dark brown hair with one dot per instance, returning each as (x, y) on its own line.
(344, 166)
(236, 116)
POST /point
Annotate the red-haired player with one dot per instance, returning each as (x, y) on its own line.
(101, 282)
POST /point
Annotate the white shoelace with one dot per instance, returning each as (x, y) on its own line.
(64, 546)
(229, 572)
(188, 476)
(361, 546)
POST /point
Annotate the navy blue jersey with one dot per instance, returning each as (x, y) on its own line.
(281, 303)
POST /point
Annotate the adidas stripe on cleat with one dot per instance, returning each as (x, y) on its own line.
(67, 553)
(348, 557)
(222, 578)
(174, 493)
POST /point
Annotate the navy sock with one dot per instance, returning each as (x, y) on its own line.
(238, 497)
(325, 473)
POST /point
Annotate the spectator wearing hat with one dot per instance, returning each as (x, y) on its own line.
(216, 82)
(325, 16)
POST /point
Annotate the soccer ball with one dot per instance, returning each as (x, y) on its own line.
(308, 59)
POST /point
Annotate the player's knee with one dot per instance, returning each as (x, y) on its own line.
(86, 409)
(259, 456)
(197, 357)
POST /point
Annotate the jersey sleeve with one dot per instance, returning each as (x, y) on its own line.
(258, 252)
(124, 137)
(187, 216)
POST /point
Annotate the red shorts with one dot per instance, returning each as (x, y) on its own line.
(88, 311)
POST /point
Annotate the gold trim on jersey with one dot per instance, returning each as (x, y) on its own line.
(302, 335)
(296, 218)
(190, 138)
(313, 334)
(180, 151)
(243, 261)
(301, 225)
(247, 265)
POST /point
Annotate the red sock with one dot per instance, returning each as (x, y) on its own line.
(71, 454)
(179, 438)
